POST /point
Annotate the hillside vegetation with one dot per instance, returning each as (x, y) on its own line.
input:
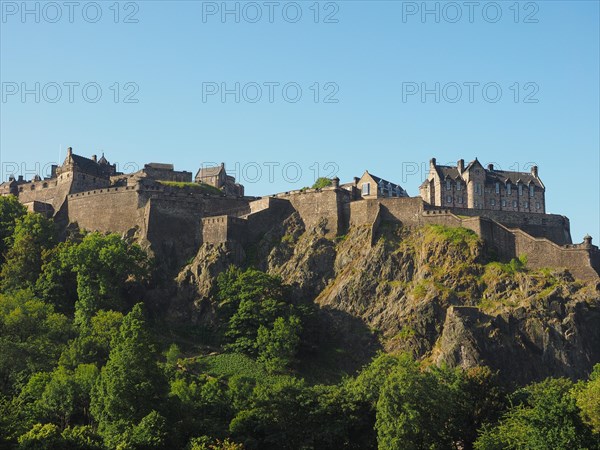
(411, 339)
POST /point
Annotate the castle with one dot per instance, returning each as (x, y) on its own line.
(173, 216)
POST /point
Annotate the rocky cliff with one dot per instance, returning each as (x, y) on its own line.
(432, 291)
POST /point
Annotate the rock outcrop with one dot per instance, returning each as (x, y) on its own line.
(431, 291)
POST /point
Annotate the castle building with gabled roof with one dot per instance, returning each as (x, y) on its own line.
(476, 187)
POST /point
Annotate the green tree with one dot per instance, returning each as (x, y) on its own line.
(199, 403)
(278, 416)
(92, 345)
(322, 182)
(131, 385)
(67, 395)
(249, 299)
(81, 438)
(41, 437)
(33, 235)
(10, 211)
(543, 415)
(278, 347)
(588, 400)
(57, 283)
(106, 267)
(414, 410)
(32, 337)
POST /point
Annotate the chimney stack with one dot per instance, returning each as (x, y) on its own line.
(356, 180)
(20, 180)
(490, 167)
(432, 162)
(69, 151)
(461, 165)
(94, 158)
(534, 171)
(335, 182)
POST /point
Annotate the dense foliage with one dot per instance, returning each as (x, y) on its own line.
(83, 367)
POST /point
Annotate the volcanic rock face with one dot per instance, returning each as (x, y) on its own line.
(430, 291)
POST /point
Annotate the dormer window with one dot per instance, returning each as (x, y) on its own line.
(458, 185)
(497, 188)
(366, 189)
(508, 188)
(448, 185)
(531, 190)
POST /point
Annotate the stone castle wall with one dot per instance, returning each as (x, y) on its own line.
(551, 226)
(113, 210)
(317, 206)
(221, 229)
(168, 219)
(507, 243)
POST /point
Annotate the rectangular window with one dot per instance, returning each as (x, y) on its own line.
(526, 205)
(366, 189)
(476, 203)
(497, 188)
(478, 188)
(458, 185)
(503, 202)
(537, 205)
(520, 189)
(460, 200)
(448, 185)
(531, 190)
(508, 189)
(514, 203)
(493, 202)
(449, 199)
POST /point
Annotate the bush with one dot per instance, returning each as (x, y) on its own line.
(321, 183)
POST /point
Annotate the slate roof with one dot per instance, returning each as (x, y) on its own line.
(450, 171)
(394, 186)
(492, 176)
(209, 171)
(503, 176)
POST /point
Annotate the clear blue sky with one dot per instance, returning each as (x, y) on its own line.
(373, 50)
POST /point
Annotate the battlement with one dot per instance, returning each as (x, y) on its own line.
(173, 216)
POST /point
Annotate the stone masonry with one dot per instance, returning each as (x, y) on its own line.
(172, 216)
